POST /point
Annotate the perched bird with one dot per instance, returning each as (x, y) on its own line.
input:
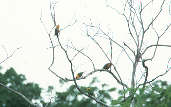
(88, 89)
(57, 30)
(79, 75)
(107, 66)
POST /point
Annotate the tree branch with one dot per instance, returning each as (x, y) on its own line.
(9, 56)
(155, 46)
(19, 94)
(73, 76)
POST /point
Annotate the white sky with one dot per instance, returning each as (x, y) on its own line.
(21, 27)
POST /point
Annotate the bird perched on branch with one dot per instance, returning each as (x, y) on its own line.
(89, 91)
(79, 75)
(57, 30)
(107, 66)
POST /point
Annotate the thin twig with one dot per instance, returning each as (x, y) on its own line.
(118, 80)
(117, 44)
(161, 8)
(129, 48)
(84, 55)
(9, 56)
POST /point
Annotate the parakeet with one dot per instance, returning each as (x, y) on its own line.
(107, 66)
(88, 89)
(79, 75)
(57, 30)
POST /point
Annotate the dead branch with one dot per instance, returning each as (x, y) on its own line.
(9, 56)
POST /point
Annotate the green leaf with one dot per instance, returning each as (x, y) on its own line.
(115, 102)
(112, 89)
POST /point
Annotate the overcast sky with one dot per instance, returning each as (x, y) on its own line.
(21, 27)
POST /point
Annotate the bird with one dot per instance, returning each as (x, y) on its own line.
(79, 75)
(107, 66)
(57, 30)
(88, 89)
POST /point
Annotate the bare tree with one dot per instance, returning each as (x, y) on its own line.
(138, 27)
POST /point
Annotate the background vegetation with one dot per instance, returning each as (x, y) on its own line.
(158, 94)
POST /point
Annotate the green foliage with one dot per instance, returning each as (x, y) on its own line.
(112, 89)
(73, 98)
(16, 81)
(94, 80)
(69, 98)
(157, 95)
(50, 88)
(61, 81)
